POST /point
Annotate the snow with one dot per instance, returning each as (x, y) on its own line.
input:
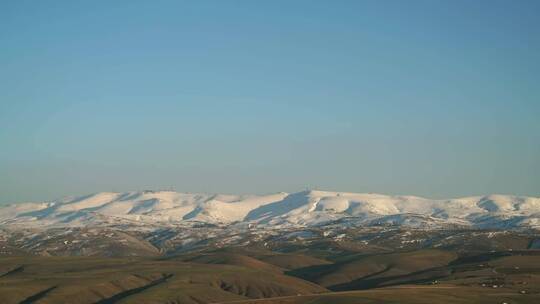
(301, 209)
(87, 202)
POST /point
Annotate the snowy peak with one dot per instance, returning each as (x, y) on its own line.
(306, 208)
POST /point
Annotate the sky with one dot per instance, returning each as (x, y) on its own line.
(429, 98)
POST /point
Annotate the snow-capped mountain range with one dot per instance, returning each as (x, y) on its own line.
(301, 209)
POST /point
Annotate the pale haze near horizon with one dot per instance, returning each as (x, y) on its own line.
(430, 98)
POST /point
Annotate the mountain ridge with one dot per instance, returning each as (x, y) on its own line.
(304, 208)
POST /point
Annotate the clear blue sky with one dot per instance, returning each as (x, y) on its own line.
(432, 98)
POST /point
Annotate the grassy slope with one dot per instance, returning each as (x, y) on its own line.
(343, 274)
(91, 280)
(236, 275)
(448, 294)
